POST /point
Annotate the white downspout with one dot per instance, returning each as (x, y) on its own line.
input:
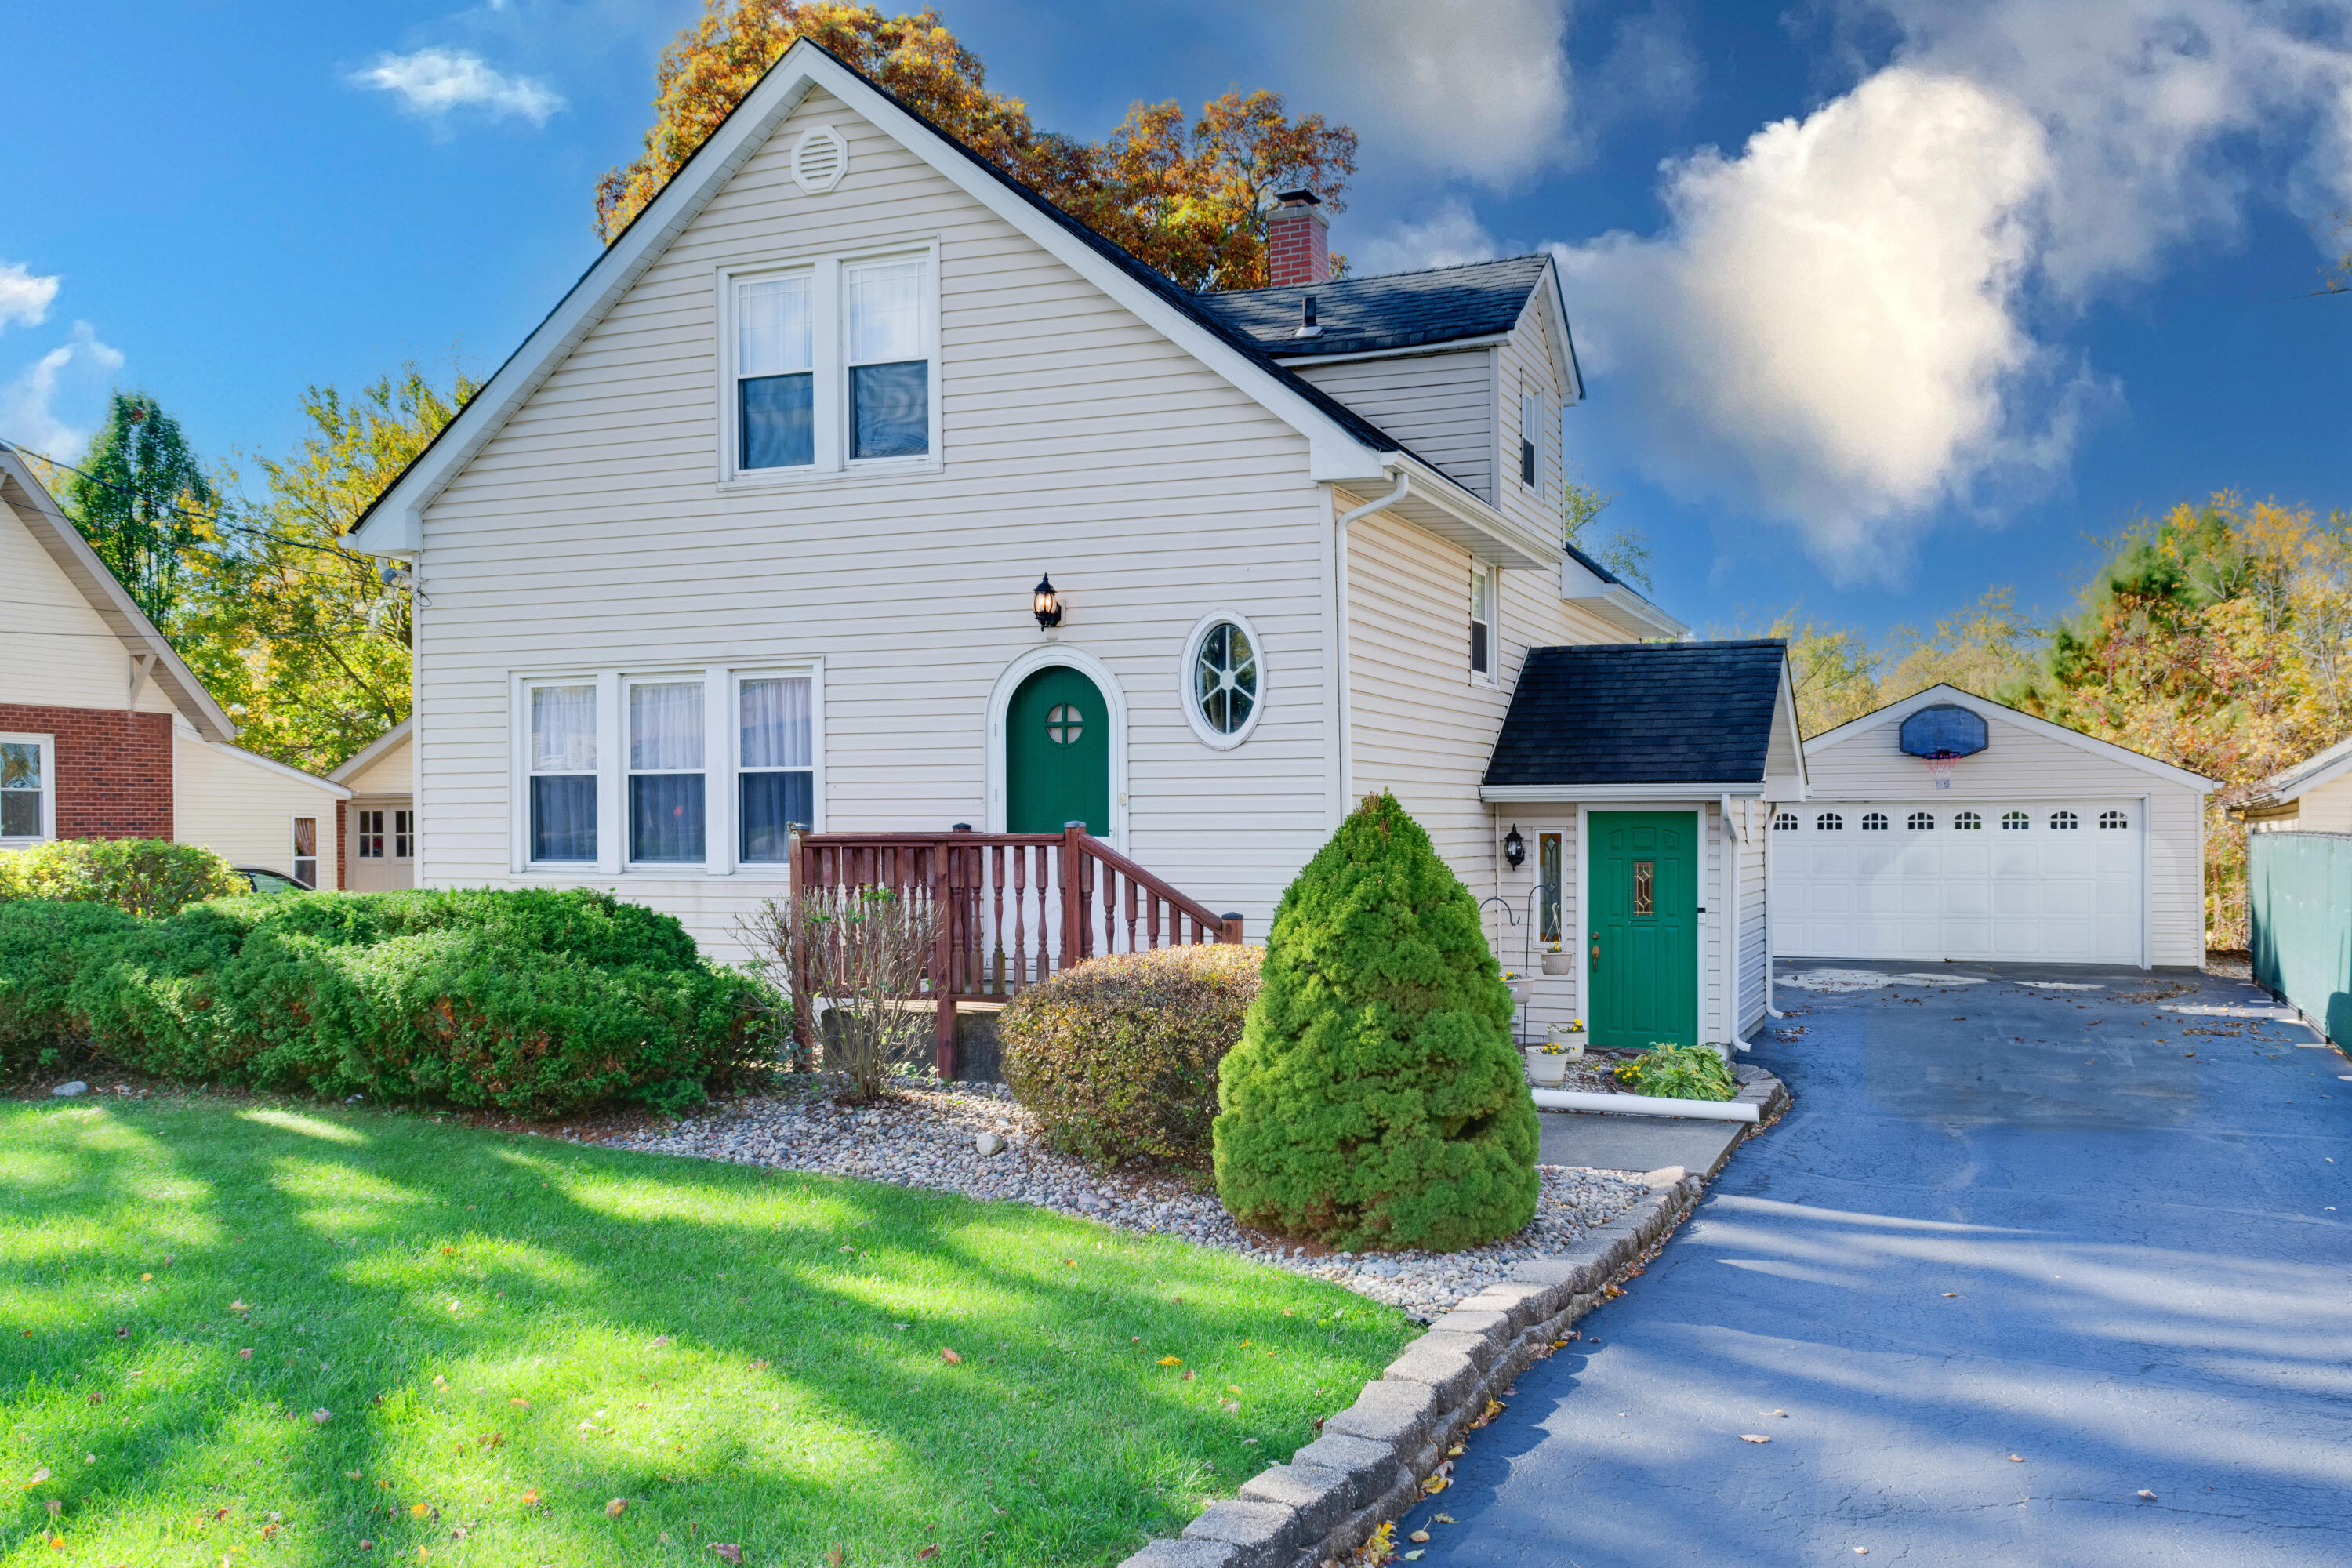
(1771, 973)
(1732, 847)
(1340, 578)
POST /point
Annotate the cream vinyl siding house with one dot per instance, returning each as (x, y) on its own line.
(746, 534)
(2313, 796)
(381, 828)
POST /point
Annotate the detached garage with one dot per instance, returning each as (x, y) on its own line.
(1948, 827)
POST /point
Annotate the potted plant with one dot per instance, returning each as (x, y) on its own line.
(1568, 1040)
(1521, 986)
(1555, 960)
(1546, 1066)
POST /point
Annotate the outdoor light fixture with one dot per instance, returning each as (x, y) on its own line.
(1514, 849)
(1047, 604)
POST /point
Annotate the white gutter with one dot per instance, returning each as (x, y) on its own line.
(1645, 1105)
(1339, 589)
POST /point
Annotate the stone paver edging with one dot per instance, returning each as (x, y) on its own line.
(1368, 1465)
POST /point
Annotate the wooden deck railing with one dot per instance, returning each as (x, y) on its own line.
(1014, 908)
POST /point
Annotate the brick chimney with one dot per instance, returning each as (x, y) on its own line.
(1297, 241)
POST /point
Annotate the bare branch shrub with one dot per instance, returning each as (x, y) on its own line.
(852, 960)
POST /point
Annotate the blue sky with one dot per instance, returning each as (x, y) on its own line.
(1880, 304)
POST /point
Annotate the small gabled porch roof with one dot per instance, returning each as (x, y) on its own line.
(1650, 720)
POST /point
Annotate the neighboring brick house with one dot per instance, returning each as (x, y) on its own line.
(106, 733)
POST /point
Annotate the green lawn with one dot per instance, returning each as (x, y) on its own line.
(509, 1333)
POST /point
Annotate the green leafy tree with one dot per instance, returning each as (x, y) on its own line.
(142, 501)
(296, 634)
(1625, 550)
(1375, 1100)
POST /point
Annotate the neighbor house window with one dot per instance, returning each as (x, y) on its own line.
(1547, 887)
(775, 372)
(1531, 416)
(777, 783)
(563, 771)
(889, 367)
(306, 850)
(1482, 620)
(404, 835)
(666, 801)
(29, 803)
(367, 839)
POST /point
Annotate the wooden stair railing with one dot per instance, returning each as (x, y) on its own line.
(1014, 908)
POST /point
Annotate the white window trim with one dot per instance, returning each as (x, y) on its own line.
(317, 856)
(731, 685)
(720, 759)
(829, 359)
(1203, 731)
(1531, 393)
(1491, 674)
(48, 745)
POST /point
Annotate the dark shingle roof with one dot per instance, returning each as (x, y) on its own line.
(1402, 310)
(1641, 713)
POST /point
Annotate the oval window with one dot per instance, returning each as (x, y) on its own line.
(1225, 678)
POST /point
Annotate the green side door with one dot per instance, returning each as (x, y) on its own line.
(1057, 754)
(1642, 892)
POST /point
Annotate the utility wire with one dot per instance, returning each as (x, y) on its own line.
(213, 519)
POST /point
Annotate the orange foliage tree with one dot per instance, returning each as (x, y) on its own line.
(1187, 197)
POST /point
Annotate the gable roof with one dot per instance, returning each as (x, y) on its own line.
(1896, 713)
(1342, 443)
(1396, 310)
(2293, 784)
(352, 765)
(1698, 714)
(62, 542)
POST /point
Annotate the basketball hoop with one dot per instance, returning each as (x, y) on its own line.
(1940, 735)
(1940, 766)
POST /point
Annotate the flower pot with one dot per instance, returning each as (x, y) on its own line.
(1521, 991)
(1555, 963)
(1571, 1042)
(1544, 1070)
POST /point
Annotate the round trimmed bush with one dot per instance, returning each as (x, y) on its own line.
(145, 875)
(1116, 1058)
(1376, 1099)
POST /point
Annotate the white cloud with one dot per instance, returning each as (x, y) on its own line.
(28, 412)
(433, 81)
(1452, 236)
(1847, 325)
(24, 298)
(1477, 88)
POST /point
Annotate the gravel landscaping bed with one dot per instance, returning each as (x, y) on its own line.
(930, 1136)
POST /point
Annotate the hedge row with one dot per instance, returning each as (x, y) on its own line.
(537, 1003)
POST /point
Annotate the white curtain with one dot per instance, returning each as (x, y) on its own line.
(776, 730)
(666, 726)
(563, 729)
(885, 312)
(772, 320)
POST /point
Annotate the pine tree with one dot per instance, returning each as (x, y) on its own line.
(142, 499)
(1376, 1099)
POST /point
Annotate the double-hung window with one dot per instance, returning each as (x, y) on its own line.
(368, 840)
(666, 799)
(1531, 418)
(306, 850)
(28, 801)
(562, 758)
(776, 782)
(404, 835)
(775, 372)
(1482, 621)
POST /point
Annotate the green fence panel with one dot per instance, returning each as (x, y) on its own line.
(2299, 890)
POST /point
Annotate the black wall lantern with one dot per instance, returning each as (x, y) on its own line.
(1514, 849)
(1045, 604)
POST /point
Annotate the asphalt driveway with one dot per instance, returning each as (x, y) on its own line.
(2044, 1273)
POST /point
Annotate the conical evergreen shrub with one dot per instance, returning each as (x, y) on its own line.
(1376, 1099)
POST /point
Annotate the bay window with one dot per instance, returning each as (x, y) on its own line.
(665, 802)
(563, 770)
(776, 784)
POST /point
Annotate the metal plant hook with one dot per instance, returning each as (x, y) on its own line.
(1521, 924)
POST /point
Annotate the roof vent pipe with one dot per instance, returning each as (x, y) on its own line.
(1306, 324)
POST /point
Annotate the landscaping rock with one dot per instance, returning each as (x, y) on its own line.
(989, 1144)
(68, 1091)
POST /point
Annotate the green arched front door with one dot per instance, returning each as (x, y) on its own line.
(1057, 754)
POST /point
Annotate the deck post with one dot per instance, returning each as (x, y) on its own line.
(1229, 928)
(1074, 905)
(943, 1028)
(804, 1025)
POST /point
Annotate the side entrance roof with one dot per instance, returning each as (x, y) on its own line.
(1592, 720)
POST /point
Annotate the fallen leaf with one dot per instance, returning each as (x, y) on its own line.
(836, 1557)
(350, 1475)
(144, 1278)
(1232, 1388)
(40, 1476)
(1951, 1295)
(238, 1307)
(1170, 1360)
(530, 1500)
(950, 1357)
(616, 1507)
(245, 1355)
(1443, 1518)
(926, 1553)
(1188, 1377)
(2148, 1494)
(1753, 1437)
(727, 1551)
(418, 1509)
(2016, 1458)
(366, 1545)
(525, 1403)
(1418, 1535)
(321, 1417)
(1414, 1555)
(55, 1507)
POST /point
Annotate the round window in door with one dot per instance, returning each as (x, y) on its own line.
(1056, 754)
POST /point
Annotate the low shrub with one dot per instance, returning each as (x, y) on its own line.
(1118, 1057)
(145, 875)
(538, 1002)
(1677, 1072)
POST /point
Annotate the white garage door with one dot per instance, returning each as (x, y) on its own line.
(2022, 881)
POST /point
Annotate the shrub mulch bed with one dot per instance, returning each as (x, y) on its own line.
(927, 1136)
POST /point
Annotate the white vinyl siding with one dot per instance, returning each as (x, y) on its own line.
(1523, 365)
(1439, 404)
(242, 807)
(589, 534)
(2021, 768)
(55, 652)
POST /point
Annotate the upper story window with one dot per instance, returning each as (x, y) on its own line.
(1482, 621)
(832, 365)
(1531, 423)
(563, 770)
(28, 798)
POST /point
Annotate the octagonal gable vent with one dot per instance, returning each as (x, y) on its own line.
(819, 158)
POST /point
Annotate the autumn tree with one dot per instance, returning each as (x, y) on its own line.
(1187, 195)
(297, 635)
(144, 501)
(1991, 649)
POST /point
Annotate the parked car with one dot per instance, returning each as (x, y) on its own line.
(263, 880)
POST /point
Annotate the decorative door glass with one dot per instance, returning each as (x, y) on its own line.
(1547, 887)
(1645, 887)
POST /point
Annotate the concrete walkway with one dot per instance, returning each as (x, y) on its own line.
(2001, 1220)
